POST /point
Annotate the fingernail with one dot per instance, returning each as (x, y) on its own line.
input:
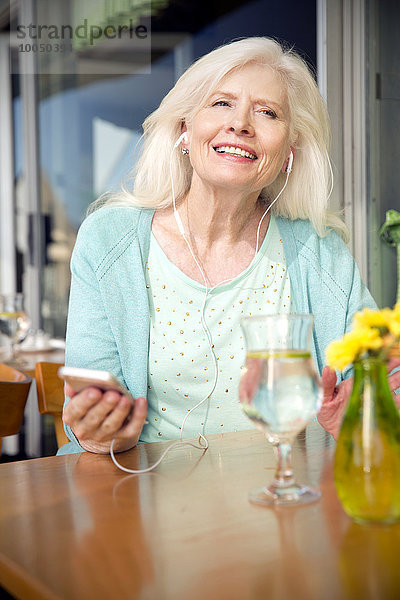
(111, 399)
(139, 402)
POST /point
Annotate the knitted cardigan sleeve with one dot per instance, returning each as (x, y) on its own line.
(108, 315)
(325, 281)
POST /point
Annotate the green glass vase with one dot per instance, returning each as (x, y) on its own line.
(367, 458)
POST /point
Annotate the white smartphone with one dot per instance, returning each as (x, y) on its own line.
(79, 379)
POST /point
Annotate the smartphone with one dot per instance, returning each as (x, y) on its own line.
(79, 379)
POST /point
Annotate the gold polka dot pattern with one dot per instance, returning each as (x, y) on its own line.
(181, 369)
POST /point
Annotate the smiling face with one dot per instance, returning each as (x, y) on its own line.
(240, 138)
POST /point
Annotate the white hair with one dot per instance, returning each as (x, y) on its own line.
(310, 183)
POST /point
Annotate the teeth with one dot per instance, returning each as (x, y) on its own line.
(236, 151)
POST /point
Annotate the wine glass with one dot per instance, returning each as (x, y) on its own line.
(280, 392)
(14, 323)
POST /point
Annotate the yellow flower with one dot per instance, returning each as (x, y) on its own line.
(394, 328)
(341, 353)
(374, 332)
(394, 325)
(386, 320)
(373, 318)
(336, 356)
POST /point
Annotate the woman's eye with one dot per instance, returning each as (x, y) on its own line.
(269, 112)
(221, 103)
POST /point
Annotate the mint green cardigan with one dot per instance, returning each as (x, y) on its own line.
(108, 321)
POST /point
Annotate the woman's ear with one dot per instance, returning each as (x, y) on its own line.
(184, 129)
(288, 164)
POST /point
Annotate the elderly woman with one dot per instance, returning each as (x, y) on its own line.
(228, 218)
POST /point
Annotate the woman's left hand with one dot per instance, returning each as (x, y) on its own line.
(334, 401)
(335, 397)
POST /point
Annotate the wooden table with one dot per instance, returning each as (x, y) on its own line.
(31, 358)
(32, 417)
(76, 527)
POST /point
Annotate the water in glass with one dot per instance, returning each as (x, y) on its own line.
(280, 392)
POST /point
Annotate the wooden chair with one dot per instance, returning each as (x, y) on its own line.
(14, 390)
(50, 393)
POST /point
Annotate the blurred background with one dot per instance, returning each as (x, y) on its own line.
(70, 134)
(71, 112)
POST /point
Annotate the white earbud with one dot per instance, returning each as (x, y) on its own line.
(181, 138)
(290, 162)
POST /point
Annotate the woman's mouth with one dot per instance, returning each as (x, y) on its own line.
(235, 151)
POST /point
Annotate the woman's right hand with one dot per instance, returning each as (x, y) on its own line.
(336, 397)
(96, 418)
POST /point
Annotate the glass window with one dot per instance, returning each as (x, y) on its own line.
(93, 98)
(383, 143)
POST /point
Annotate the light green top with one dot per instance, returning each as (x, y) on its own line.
(181, 370)
(108, 320)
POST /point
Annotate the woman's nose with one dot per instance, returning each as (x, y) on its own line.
(240, 122)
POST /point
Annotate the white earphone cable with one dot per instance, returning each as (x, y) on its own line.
(203, 443)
